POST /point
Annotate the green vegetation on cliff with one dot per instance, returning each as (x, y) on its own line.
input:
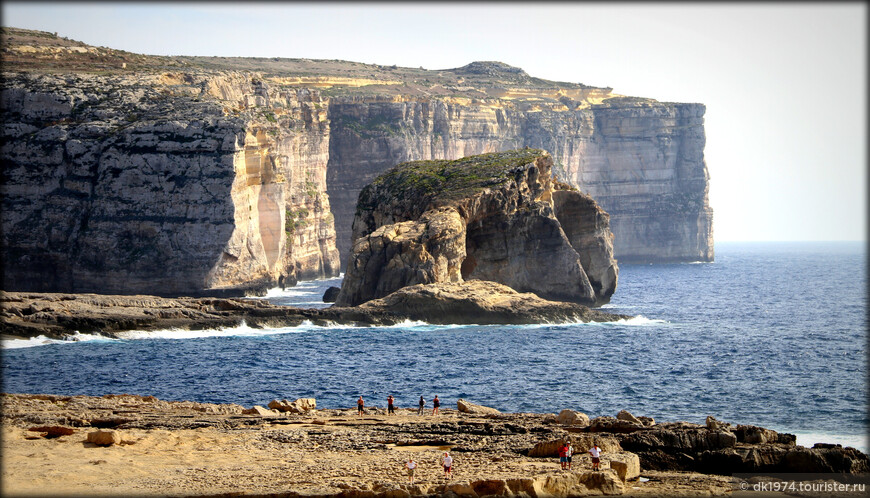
(443, 180)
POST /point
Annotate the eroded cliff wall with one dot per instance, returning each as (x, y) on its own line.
(641, 160)
(172, 183)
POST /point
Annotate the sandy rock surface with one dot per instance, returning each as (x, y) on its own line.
(201, 449)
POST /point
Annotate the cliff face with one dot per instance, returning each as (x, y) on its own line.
(131, 173)
(489, 217)
(163, 183)
(641, 160)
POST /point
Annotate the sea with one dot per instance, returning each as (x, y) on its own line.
(770, 334)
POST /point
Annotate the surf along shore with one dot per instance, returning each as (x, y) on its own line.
(141, 446)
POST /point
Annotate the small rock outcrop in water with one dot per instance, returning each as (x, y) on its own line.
(330, 294)
(496, 217)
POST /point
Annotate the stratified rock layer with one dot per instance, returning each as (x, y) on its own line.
(489, 217)
(169, 183)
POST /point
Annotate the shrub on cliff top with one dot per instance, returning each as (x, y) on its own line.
(425, 181)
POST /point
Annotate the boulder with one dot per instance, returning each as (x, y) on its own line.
(605, 482)
(301, 405)
(330, 294)
(716, 425)
(467, 407)
(259, 410)
(751, 434)
(580, 442)
(606, 423)
(628, 417)
(647, 421)
(571, 417)
(104, 437)
(463, 489)
(583, 442)
(491, 487)
(626, 465)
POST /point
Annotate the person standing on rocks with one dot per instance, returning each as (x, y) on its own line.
(595, 451)
(390, 409)
(447, 463)
(436, 403)
(360, 406)
(563, 455)
(422, 404)
(411, 466)
(569, 450)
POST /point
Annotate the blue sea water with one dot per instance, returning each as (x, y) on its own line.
(771, 334)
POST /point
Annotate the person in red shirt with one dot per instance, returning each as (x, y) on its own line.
(563, 455)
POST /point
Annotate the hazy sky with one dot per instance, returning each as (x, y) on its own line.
(785, 84)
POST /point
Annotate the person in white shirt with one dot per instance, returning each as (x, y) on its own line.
(447, 463)
(568, 452)
(595, 451)
(411, 465)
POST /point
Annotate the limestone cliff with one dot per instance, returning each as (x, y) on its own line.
(131, 173)
(162, 183)
(488, 217)
(641, 160)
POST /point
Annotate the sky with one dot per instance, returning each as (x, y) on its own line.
(785, 84)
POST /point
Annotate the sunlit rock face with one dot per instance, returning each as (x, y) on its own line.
(131, 173)
(488, 217)
(162, 183)
(641, 160)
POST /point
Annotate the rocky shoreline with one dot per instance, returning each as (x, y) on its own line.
(28, 314)
(143, 446)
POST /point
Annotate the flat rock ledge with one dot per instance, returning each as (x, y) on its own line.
(185, 448)
(28, 314)
(481, 302)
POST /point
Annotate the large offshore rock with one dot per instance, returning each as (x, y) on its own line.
(488, 217)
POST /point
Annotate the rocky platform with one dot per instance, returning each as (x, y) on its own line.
(24, 314)
(141, 446)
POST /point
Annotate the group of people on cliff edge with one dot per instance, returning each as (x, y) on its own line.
(391, 408)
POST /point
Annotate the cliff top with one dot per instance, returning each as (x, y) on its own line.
(443, 181)
(26, 50)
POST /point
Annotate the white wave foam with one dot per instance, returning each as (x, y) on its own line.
(241, 330)
(636, 321)
(244, 330)
(45, 341)
(303, 288)
(808, 439)
(639, 320)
